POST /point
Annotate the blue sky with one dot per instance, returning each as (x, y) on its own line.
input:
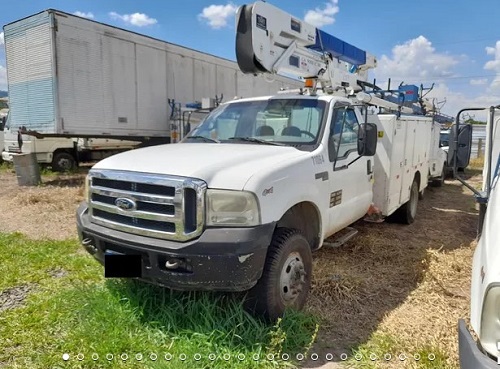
(453, 43)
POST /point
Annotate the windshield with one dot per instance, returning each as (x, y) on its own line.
(273, 121)
(444, 139)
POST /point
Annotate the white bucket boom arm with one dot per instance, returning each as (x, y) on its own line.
(269, 40)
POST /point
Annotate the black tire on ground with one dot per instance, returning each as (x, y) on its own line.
(438, 182)
(286, 278)
(63, 162)
(407, 212)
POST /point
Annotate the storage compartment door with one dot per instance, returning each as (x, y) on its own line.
(397, 155)
(409, 152)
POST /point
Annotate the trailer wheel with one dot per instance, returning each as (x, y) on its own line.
(439, 181)
(63, 162)
(286, 278)
(408, 211)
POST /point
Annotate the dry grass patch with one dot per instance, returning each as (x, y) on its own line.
(46, 211)
(400, 288)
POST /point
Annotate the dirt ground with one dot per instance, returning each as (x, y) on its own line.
(46, 211)
(407, 282)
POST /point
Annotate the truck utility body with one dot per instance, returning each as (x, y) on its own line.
(73, 77)
(261, 182)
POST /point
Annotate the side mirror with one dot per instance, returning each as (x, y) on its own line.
(367, 139)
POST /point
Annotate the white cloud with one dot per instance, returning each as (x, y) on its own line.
(414, 61)
(2, 38)
(417, 62)
(320, 17)
(84, 15)
(494, 65)
(3, 78)
(217, 16)
(136, 19)
(478, 82)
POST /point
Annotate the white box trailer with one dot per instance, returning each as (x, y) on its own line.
(76, 77)
(71, 77)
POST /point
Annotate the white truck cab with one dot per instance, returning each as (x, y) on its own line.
(485, 282)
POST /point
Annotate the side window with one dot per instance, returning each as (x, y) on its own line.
(2, 123)
(343, 133)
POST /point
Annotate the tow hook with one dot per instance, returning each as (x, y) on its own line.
(172, 264)
(87, 243)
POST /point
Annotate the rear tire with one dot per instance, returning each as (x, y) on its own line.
(407, 212)
(286, 278)
(63, 162)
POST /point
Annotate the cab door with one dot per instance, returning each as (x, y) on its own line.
(350, 182)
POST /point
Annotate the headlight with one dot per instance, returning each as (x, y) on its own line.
(86, 189)
(232, 208)
(490, 321)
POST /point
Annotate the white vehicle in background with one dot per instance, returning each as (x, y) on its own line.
(485, 283)
(242, 202)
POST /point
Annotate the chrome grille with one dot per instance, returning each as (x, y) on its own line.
(166, 207)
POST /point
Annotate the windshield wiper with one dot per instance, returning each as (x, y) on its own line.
(206, 139)
(256, 140)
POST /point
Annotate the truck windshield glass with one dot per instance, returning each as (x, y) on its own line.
(281, 121)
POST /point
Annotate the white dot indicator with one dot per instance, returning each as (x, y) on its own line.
(65, 357)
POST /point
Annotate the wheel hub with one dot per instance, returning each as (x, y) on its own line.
(292, 278)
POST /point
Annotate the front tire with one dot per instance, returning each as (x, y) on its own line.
(286, 278)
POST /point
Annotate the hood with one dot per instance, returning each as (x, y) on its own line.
(220, 165)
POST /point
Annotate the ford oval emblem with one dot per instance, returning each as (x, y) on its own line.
(125, 204)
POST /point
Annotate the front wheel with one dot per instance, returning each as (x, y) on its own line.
(286, 278)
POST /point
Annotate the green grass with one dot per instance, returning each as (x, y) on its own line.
(6, 166)
(381, 349)
(79, 312)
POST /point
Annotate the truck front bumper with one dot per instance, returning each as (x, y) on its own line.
(224, 259)
(471, 357)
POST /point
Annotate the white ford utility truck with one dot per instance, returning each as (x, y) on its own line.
(485, 282)
(244, 199)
